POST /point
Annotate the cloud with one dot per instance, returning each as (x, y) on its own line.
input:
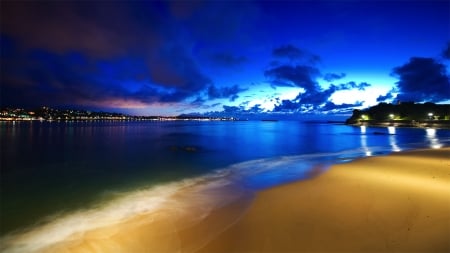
(422, 80)
(38, 77)
(330, 106)
(288, 106)
(294, 53)
(313, 97)
(446, 52)
(99, 29)
(330, 77)
(294, 76)
(227, 59)
(225, 92)
(239, 111)
(175, 68)
(317, 99)
(383, 98)
(352, 85)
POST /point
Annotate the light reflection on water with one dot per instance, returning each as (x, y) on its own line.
(432, 139)
(393, 139)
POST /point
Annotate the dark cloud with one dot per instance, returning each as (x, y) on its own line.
(294, 76)
(96, 28)
(304, 76)
(330, 106)
(330, 77)
(422, 80)
(288, 106)
(140, 53)
(352, 85)
(175, 68)
(225, 92)
(294, 53)
(240, 111)
(227, 59)
(446, 52)
(318, 99)
(383, 98)
(38, 77)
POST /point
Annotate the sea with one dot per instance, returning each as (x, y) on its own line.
(61, 178)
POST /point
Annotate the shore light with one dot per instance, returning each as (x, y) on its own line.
(391, 116)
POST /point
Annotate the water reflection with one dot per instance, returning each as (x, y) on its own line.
(393, 139)
(432, 139)
(364, 145)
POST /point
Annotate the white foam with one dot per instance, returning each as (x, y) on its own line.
(199, 195)
(144, 201)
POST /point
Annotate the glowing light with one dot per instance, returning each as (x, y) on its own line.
(366, 149)
(393, 140)
(363, 129)
(431, 137)
(391, 116)
(391, 130)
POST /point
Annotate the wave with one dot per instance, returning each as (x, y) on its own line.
(190, 201)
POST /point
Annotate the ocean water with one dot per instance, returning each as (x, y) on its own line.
(62, 178)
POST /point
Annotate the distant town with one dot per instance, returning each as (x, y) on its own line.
(50, 114)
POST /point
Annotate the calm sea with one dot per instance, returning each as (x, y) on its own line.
(52, 169)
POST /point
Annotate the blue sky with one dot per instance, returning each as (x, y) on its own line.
(283, 58)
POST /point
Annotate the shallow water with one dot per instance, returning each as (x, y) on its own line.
(55, 174)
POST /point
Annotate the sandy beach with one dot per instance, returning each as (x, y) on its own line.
(394, 203)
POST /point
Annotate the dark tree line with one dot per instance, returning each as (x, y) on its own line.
(407, 111)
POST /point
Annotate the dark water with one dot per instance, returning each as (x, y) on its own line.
(47, 167)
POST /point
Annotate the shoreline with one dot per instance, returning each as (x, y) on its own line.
(394, 203)
(391, 203)
(418, 125)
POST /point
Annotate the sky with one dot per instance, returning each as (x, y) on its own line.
(224, 58)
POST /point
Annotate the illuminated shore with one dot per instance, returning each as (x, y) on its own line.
(395, 203)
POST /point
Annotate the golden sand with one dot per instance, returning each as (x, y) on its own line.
(395, 203)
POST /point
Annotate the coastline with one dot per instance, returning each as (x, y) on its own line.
(400, 123)
(392, 203)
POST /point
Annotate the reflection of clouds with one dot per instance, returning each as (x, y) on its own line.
(431, 137)
(364, 141)
(393, 139)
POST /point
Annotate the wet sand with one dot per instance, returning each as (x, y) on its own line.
(395, 203)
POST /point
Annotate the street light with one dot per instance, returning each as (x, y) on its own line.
(430, 115)
(391, 116)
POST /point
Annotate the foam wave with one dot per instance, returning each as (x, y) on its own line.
(175, 199)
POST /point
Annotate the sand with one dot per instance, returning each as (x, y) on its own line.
(395, 203)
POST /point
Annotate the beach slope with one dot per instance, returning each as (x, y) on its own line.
(394, 203)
